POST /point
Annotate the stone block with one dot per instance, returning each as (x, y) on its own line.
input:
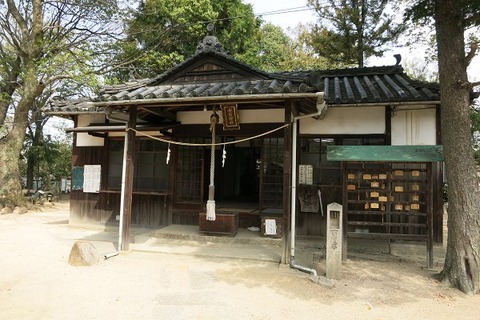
(83, 253)
(20, 210)
(6, 210)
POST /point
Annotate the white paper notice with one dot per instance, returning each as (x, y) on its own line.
(270, 227)
(91, 178)
(305, 174)
(301, 174)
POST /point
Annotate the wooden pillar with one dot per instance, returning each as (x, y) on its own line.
(429, 216)
(344, 215)
(438, 187)
(127, 210)
(388, 125)
(287, 173)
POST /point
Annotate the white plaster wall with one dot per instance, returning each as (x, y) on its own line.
(347, 120)
(84, 139)
(246, 116)
(262, 116)
(414, 127)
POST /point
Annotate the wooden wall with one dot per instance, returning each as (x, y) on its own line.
(190, 217)
(186, 217)
(103, 207)
(315, 224)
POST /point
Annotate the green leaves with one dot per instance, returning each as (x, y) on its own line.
(349, 31)
(423, 10)
(47, 48)
(162, 33)
(48, 158)
(273, 50)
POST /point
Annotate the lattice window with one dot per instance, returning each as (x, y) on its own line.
(115, 160)
(151, 170)
(272, 166)
(188, 175)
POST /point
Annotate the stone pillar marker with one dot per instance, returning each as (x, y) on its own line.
(334, 241)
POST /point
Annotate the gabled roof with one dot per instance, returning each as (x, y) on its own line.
(214, 76)
(343, 86)
(210, 72)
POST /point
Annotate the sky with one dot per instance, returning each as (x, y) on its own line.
(278, 13)
(271, 10)
(301, 14)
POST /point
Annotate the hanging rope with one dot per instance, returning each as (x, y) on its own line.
(214, 119)
(208, 144)
(211, 187)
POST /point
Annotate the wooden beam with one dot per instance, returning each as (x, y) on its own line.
(127, 211)
(121, 128)
(98, 135)
(287, 178)
(161, 113)
(429, 216)
(388, 125)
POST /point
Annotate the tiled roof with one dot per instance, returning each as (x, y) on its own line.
(369, 85)
(206, 89)
(345, 86)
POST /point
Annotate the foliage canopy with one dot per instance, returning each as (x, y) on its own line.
(349, 31)
(161, 33)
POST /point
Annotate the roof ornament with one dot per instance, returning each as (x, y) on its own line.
(398, 57)
(210, 43)
(132, 73)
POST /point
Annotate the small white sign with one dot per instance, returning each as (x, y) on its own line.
(270, 227)
(309, 174)
(91, 178)
(301, 174)
(305, 174)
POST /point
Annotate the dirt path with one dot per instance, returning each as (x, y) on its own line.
(36, 282)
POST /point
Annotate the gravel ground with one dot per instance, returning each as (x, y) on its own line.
(36, 282)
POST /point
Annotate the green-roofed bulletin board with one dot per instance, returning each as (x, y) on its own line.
(432, 153)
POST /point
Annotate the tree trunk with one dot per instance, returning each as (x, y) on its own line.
(10, 148)
(12, 144)
(35, 155)
(7, 88)
(360, 30)
(462, 260)
(30, 171)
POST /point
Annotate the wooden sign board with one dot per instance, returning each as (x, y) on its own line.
(432, 153)
(231, 119)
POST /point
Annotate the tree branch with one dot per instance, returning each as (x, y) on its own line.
(18, 17)
(468, 85)
(471, 53)
(473, 19)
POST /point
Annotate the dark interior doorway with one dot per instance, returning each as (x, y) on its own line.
(237, 180)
